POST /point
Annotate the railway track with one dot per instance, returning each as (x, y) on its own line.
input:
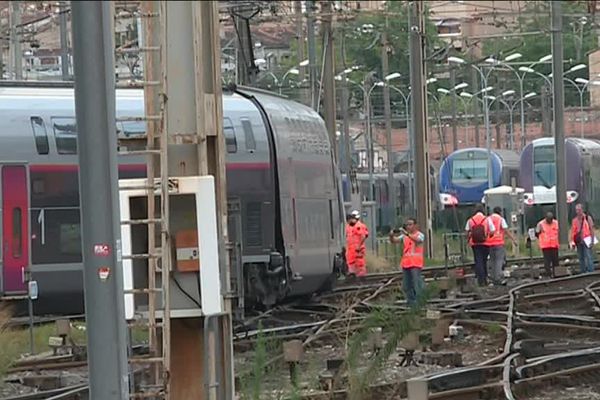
(532, 331)
(539, 348)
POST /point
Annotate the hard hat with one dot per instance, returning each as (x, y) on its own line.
(355, 214)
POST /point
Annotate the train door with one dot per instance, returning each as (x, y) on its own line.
(15, 227)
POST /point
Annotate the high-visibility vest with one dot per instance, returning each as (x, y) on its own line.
(497, 238)
(479, 219)
(355, 234)
(548, 237)
(413, 254)
(575, 227)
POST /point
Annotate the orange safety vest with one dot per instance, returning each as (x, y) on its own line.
(413, 254)
(548, 234)
(585, 232)
(497, 238)
(479, 219)
(355, 234)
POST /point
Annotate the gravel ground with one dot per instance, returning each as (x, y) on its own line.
(582, 392)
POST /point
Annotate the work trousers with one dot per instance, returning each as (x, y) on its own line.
(497, 256)
(412, 283)
(480, 254)
(550, 260)
(586, 262)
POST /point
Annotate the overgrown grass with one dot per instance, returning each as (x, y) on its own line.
(8, 343)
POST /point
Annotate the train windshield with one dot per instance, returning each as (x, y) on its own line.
(469, 170)
(544, 172)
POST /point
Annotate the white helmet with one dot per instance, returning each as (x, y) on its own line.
(355, 214)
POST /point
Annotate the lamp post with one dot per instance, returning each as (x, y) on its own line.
(453, 92)
(466, 97)
(584, 83)
(406, 99)
(369, 133)
(574, 68)
(486, 114)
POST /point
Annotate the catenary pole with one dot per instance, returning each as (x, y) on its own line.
(98, 182)
(559, 128)
(419, 120)
(385, 49)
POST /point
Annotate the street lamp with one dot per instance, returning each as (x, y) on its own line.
(484, 76)
(581, 90)
(293, 71)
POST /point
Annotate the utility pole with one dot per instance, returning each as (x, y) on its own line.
(385, 50)
(419, 119)
(16, 53)
(312, 52)
(474, 80)
(559, 133)
(201, 345)
(453, 102)
(64, 44)
(103, 281)
(329, 75)
(546, 110)
(300, 37)
(346, 158)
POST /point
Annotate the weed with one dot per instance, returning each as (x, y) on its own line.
(9, 349)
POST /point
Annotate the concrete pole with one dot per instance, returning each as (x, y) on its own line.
(559, 128)
(16, 52)
(329, 76)
(369, 140)
(312, 52)
(385, 49)
(523, 127)
(300, 37)
(64, 44)
(98, 182)
(419, 120)
(453, 102)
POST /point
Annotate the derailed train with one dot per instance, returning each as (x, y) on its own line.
(280, 172)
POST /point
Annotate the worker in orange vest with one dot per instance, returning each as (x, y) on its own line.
(478, 228)
(583, 238)
(547, 233)
(356, 235)
(495, 244)
(413, 258)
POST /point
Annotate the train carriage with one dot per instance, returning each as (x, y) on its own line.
(280, 172)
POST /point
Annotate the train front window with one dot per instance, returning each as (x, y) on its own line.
(473, 170)
(544, 171)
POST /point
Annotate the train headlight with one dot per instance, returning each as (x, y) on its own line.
(528, 199)
(572, 196)
(448, 199)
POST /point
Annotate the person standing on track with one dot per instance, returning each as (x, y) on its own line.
(583, 238)
(479, 227)
(547, 232)
(356, 235)
(413, 258)
(495, 243)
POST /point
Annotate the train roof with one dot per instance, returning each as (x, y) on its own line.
(582, 143)
(508, 157)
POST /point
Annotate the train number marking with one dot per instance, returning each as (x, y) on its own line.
(101, 250)
(103, 273)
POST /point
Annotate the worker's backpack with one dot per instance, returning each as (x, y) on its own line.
(478, 235)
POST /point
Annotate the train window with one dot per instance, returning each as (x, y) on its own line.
(248, 134)
(229, 132)
(129, 129)
(55, 235)
(17, 245)
(65, 134)
(40, 135)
